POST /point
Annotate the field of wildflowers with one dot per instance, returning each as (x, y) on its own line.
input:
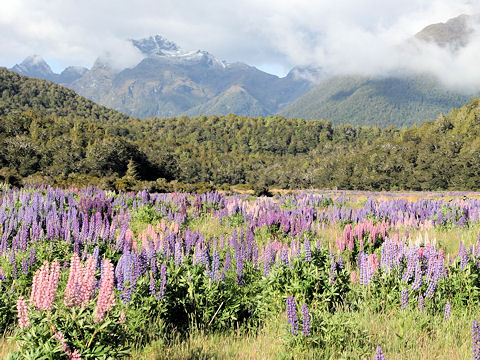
(89, 274)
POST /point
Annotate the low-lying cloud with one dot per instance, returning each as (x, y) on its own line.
(369, 37)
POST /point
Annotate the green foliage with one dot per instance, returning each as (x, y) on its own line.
(50, 135)
(104, 340)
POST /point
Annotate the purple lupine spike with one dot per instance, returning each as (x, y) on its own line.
(285, 256)
(3, 277)
(340, 261)
(239, 258)
(13, 262)
(308, 251)
(364, 268)
(306, 320)
(163, 281)
(421, 302)
(476, 339)
(292, 314)
(333, 269)
(178, 253)
(448, 311)
(152, 288)
(24, 266)
(379, 354)
(266, 268)
(228, 260)
(404, 299)
(215, 265)
(33, 257)
(408, 273)
(418, 276)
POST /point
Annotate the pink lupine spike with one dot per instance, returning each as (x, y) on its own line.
(106, 298)
(88, 281)
(23, 320)
(44, 287)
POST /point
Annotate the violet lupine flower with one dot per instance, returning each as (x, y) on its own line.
(163, 281)
(404, 299)
(437, 267)
(228, 260)
(421, 302)
(364, 268)
(178, 253)
(476, 339)
(463, 256)
(13, 262)
(308, 251)
(418, 277)
(379, 354)
(266, 268)
(333, 269)
(284, 256)
(23, 320)
(448, 311)
(151, 286)
(3, 277)
(340, 261)
(292, 314)
(306, 320)
(106, 297)
(24, 266)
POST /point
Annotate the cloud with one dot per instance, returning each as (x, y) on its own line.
(345, 36)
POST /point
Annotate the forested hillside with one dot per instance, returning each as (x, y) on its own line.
(376, 101)
(49, 134)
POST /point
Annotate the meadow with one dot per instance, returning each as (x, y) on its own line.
(93, 274)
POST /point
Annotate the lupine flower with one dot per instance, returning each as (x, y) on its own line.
(81, 281)
(61, 339)
(23, 320)
(306, 320)
(404, 299)
(44, 285)
(122, 317)
(421, 302)
(448, 311)
(418, 276)
(308, 251)
(476, 339)
(75, 355)
(163, 281)
(106, 298)
(333, 269)
(292, 314)
(353, 277)
(379, 354)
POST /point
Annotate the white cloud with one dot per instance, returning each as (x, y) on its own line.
(344, 36)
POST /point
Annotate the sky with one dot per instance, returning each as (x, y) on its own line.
(342, 36)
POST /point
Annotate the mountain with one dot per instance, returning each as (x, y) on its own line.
(454, 33)
(35, 66)
(170, 81)
(374, 101)
(401, 100)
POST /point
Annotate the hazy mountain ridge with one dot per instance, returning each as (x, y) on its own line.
(170, 81)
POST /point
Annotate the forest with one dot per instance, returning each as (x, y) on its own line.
(50, 135)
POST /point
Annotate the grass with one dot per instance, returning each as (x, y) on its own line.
(5, 347)
(266, 344)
